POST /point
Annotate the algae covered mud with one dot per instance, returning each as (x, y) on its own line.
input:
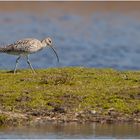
(69, 95)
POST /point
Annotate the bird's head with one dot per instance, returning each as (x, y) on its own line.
(47, 42)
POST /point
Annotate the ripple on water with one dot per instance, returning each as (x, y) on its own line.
(100, 40)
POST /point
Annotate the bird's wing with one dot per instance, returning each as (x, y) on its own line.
(22, 45)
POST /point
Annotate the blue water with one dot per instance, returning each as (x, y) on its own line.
(76, 131)
(98, 40)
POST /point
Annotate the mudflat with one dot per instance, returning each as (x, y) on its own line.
(78, 6)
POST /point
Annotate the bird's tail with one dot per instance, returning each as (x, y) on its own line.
(3, 47)
(3, 50)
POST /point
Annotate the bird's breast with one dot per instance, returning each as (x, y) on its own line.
(33, 49)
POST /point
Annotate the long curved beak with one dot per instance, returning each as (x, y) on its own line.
(55, 52)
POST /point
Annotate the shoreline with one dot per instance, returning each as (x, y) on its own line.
(17, 119)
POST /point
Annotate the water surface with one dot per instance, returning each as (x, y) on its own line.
(85, 131)
(102, 39)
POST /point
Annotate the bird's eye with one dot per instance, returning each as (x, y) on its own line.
(50, 41)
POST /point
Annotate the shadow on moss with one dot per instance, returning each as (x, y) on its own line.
(58, 79)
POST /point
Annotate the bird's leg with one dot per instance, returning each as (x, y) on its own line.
(28, 61)
(16, 64)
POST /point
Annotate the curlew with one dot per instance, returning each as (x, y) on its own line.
(27, 46)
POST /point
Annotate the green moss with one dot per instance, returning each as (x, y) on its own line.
(3, 119)
(71, 88)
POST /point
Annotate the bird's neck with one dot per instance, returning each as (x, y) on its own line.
(43, 44)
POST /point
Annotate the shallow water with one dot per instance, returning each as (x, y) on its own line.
(87, 131)
(109, 39)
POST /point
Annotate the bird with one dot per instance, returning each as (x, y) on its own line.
(27, 46)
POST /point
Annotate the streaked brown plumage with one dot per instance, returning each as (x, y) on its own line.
(25, 47)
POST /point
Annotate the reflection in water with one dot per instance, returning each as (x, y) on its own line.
(74, 130)
(100, 40)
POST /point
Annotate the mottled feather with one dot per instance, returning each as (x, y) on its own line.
(25, 46)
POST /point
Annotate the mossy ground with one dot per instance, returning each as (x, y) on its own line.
(65, 90)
